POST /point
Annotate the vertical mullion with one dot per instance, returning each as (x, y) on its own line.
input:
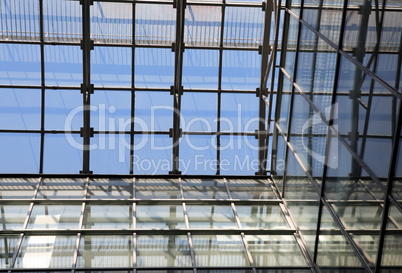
(42, 69)
(132, 90)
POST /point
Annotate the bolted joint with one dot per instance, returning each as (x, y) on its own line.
(91, 132)
(91, 44)
(354, 94)
(261, 134)
(173, 90)
(86, 172)
(89, 90)
(175, 172)
(91, 2)
(179, 131)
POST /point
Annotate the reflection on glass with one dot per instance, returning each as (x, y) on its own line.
(219, 250)
(10, 188)
(275, 250)
(107, 216)
(55, 217)
(13, 216)
(106, 188)
(250, 189)
(7, 246)
(105, 251)
(157, 188)
(202, 25)
(204, 189)
(61, 188)
(360, 216)
(211, 216)
(46, 252)
(267, 217)
(161, 250)
(165, 216)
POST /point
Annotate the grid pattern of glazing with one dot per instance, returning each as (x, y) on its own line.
(240, 225)
(114, 85)
(338, 129)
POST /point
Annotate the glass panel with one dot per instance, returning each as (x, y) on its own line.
(156, 217)
(46, 252)
(63, 110)
(275, 250)
(13, 147)
(55, 217)
(111, 66)
(243, 27)
(13, 216)
(153, 154)
(7, 247)
(250, 189)
(62, 21)
(110, 154)
(360, 216)
(20, 109)
(239, 155)
(61, 188)
(199, 112)
(19, 20)
(285, 105)
(160, 250)
(202, 25)
(107, 216)
(198, 154)
(20, 64)
(200, 69)
(290, 46)
(63, 65)
(109, 188)
(157, 188)
(241, 70)
(155, 24)
(111, 23)
(105, 251)
(68, 159)
(211, 216)
(10, 188)
(266, 217)
(204, 189)
(219, 250)
(239, 113)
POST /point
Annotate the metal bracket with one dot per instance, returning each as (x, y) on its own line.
(88, 172)
(353, 134)
(363, 9)
(264, 6)
(261, 133)
(171, 132)
(354, 95)
(91, 132)
(90, 89)
(91, 44)
(175, 172)
(173, 91)
(91, 2)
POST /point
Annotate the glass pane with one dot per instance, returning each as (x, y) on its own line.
(13, 147)
(155, 24)
(107, 216)
(105, 251)
(157, 188)
(239, 155)
(243, 27)
(46, 252)
(241, 70)
(55, 217)
(61, 188)
(111, 66)
(68, 159)
(20, 64)
(109, 188)
(63, 110)
(266, 217)
(19, 20)
(111, 23)
(199, 112)
(154, 67)
(160, 250)
(275, 250)
(219, 250)
(63, 65)
(202, 25)
(10, 188)
(20, 109)
(204, 189)
(211, 216)
(7, 247)
(250, 189)
(62, 21)
(13, 216)
(156, 217)
(200, 69)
